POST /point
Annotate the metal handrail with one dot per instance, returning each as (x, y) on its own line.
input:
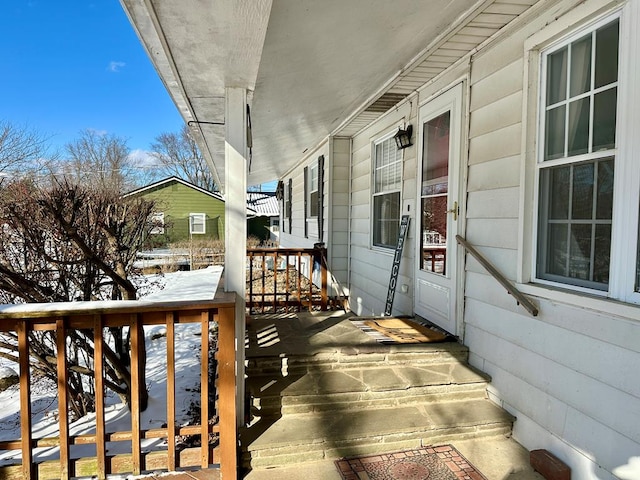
(511, 288)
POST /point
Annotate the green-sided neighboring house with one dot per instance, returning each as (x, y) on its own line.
(185, 211)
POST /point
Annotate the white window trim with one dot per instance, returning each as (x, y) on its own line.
(204, 223)
(573, 25)
(373, 193)
(312, 167)
(158, 229)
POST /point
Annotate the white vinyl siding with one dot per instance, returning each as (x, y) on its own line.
(554, 372)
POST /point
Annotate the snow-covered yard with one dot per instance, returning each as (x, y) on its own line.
(190, 285)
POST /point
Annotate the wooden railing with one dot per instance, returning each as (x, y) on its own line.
(286, 279)
(95, 317)
(521, 299)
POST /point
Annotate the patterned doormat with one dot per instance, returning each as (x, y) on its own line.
(399, 330)
(429, 463)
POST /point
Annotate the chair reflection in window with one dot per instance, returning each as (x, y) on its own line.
(434, 252)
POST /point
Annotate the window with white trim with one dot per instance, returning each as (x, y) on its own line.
(387, 183)
(157, 222)
(313, 190)
(582, 210)
(197, 223)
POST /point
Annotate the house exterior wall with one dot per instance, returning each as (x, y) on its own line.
(337, 155)
(177, 201)
(569, 375)
(371, 266)
(292, 230)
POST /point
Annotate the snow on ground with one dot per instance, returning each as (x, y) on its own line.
(193, 285)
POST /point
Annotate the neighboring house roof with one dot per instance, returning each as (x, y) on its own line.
(174, 179)
(265, 204)
(259, 204)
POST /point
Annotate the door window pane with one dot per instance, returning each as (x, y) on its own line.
(434, 234)
(435, 186)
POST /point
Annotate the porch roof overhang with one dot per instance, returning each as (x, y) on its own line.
(312, 68)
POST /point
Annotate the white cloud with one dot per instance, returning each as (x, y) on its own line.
(99, 133)
(115, 66)
(143, 158)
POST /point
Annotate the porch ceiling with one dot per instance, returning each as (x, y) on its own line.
(314, 67)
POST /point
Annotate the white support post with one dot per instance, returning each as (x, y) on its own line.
(236, 223)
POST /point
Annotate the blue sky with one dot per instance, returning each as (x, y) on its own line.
(71, 65)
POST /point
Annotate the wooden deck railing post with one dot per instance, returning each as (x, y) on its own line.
(170, 318)
(227, 393)
(63, 401)
(98, 361)
(28, 467)
(136, 339)
(204, 389)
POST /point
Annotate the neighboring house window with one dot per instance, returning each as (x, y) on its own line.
(313, 191)
(157, 220)
(387, 180)
(275, 224)
(577, 158)
(197, 224)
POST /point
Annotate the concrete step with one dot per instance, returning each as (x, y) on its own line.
(371, 387)
(363, 356)
(316, 436)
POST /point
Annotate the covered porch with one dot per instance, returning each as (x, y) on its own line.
(267, 86)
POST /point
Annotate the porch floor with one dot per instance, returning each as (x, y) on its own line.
(328, 334)
(325, 334)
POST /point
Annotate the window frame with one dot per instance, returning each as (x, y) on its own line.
(311, 203)
(157, 229)
(626, 186)
(374, 168)
(192, 216)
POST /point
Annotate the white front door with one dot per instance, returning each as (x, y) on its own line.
(440, 137)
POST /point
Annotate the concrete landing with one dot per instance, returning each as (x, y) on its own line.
(323, 389)
(497, 458)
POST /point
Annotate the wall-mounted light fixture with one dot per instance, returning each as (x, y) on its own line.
(403, 137)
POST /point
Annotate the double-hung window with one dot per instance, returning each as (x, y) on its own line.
(313, 190)
(197, 223)
(157, 222)
(583, 211)
(387, 182)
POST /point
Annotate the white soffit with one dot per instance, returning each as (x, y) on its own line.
(315, 67)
